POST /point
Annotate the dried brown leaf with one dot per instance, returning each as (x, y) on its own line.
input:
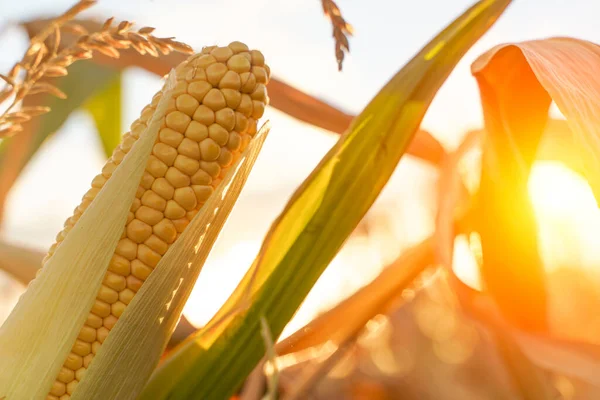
(348, 318)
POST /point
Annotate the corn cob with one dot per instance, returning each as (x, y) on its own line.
(219, 97)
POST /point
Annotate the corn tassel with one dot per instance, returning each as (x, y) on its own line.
(219, 97)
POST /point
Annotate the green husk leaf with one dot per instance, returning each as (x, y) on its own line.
(39, 333)
(318, 219)
(139, 338)
(105, 108)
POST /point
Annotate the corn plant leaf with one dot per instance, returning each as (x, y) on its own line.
(517, 84)
(105, 108)
(85, 78)
(564, 70)
(40, 331)
(139, 338)
(316, 221)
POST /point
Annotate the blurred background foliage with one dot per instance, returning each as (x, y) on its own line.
(422, 342)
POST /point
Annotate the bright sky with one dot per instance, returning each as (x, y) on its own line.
(296, 41)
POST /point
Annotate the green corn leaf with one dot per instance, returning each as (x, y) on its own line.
(321, 215)
(105, 108)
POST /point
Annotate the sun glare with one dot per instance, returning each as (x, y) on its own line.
(568, 228)
(558, 192)
(568, 223)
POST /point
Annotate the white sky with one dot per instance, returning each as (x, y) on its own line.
(296, 41)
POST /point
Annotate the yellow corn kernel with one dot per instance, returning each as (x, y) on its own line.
(195, 131)
(79, 373)
(170, 137)
(148, 256)
(149, 215)
(163, 188)
(101, 309)
(95, 348)
(186, 165)
(211, 117)
(156, 244)
(87, 360)
(58, 388)
(66, 375)
(82, 348)
(126, 296)
(71, 386)
(101, 334)
(73, 362)
(204, 115)
(114, 281)
(134, 283)
(87, 334)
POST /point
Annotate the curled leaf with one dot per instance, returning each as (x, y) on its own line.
(564, 70)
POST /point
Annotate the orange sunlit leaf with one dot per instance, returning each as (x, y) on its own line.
(565, 70)
(518, 82)
(515, 108)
